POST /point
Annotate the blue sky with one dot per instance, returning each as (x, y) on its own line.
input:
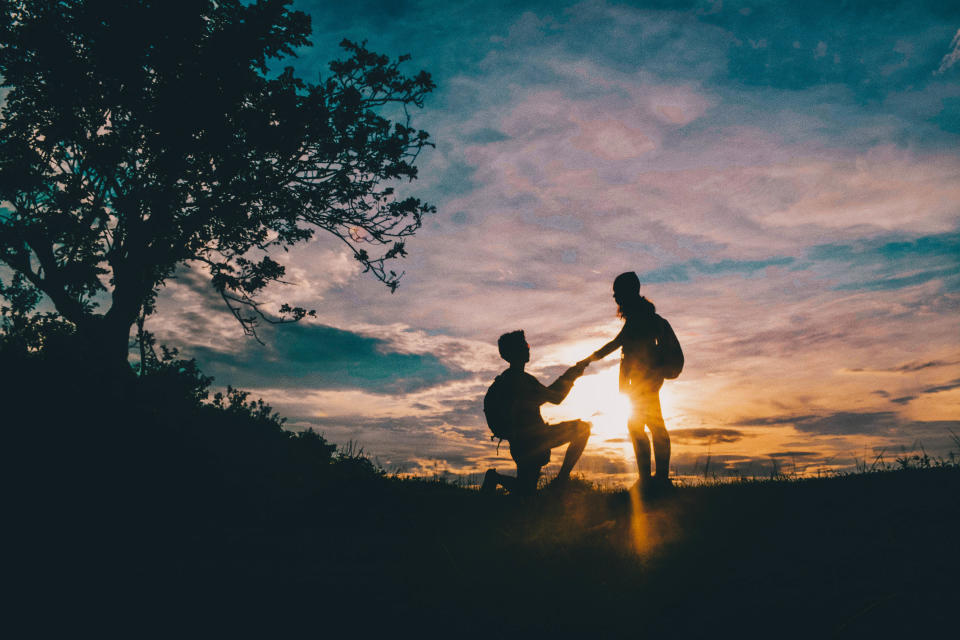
(784, 177)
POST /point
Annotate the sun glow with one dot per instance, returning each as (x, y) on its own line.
(596, 398)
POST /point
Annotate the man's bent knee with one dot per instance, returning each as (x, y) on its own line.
(583, 428)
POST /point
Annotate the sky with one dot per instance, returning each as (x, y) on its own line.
(784, 178)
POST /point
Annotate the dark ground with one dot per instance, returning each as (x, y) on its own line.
(862, 556)
(156, 516)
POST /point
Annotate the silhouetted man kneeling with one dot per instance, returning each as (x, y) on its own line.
(512, 406)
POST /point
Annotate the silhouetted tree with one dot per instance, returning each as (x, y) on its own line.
(21, 330)
(137, 136)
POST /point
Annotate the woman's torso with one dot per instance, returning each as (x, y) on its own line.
(638, 364)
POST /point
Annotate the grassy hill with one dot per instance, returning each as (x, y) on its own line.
(154, 512)
(872, 554)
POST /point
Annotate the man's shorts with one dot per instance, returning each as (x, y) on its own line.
(533, 447)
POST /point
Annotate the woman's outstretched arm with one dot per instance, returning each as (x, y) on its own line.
(607, 349)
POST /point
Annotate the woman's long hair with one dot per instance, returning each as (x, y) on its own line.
(636, 307)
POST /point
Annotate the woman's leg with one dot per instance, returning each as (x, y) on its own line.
(661, 439)
(641, 444)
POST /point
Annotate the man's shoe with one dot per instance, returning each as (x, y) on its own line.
(489, 482)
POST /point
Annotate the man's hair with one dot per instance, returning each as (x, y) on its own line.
(511, 345)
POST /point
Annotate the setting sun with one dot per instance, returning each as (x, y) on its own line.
(597, 398)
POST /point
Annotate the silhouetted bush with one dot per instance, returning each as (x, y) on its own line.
(156, 445)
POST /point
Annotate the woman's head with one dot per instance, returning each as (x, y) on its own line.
(626, 293)
(626, 284)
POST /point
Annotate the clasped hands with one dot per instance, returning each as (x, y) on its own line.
(578, 369)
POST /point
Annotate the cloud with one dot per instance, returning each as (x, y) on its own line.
(909, 367)
(768, 421)
(952, 56)
(895, 263)
(794, 454)
(706, 436)
(937, 388)
(840, 423)
(318, 356)
(912, 280)
(890, 263)
(948, 386)
(681, 272)
(874, 189)
(871, 50)
(613, 140)
(837, 423)
(485, 135)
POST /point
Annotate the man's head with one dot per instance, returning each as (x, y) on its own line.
(514, 348)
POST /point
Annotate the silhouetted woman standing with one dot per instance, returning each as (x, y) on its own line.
(640, 377)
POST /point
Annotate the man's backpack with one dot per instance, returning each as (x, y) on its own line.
(670, 355)
(497, 406)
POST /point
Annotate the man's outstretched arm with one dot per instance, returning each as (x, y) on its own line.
(562, 385)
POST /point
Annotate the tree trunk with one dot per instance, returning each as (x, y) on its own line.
(102, 347)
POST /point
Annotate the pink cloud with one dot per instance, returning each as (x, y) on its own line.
(613, 140)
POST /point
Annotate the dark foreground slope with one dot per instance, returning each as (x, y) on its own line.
(155, 516)
(873, 555)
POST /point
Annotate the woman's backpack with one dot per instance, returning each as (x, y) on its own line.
(670, 355)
